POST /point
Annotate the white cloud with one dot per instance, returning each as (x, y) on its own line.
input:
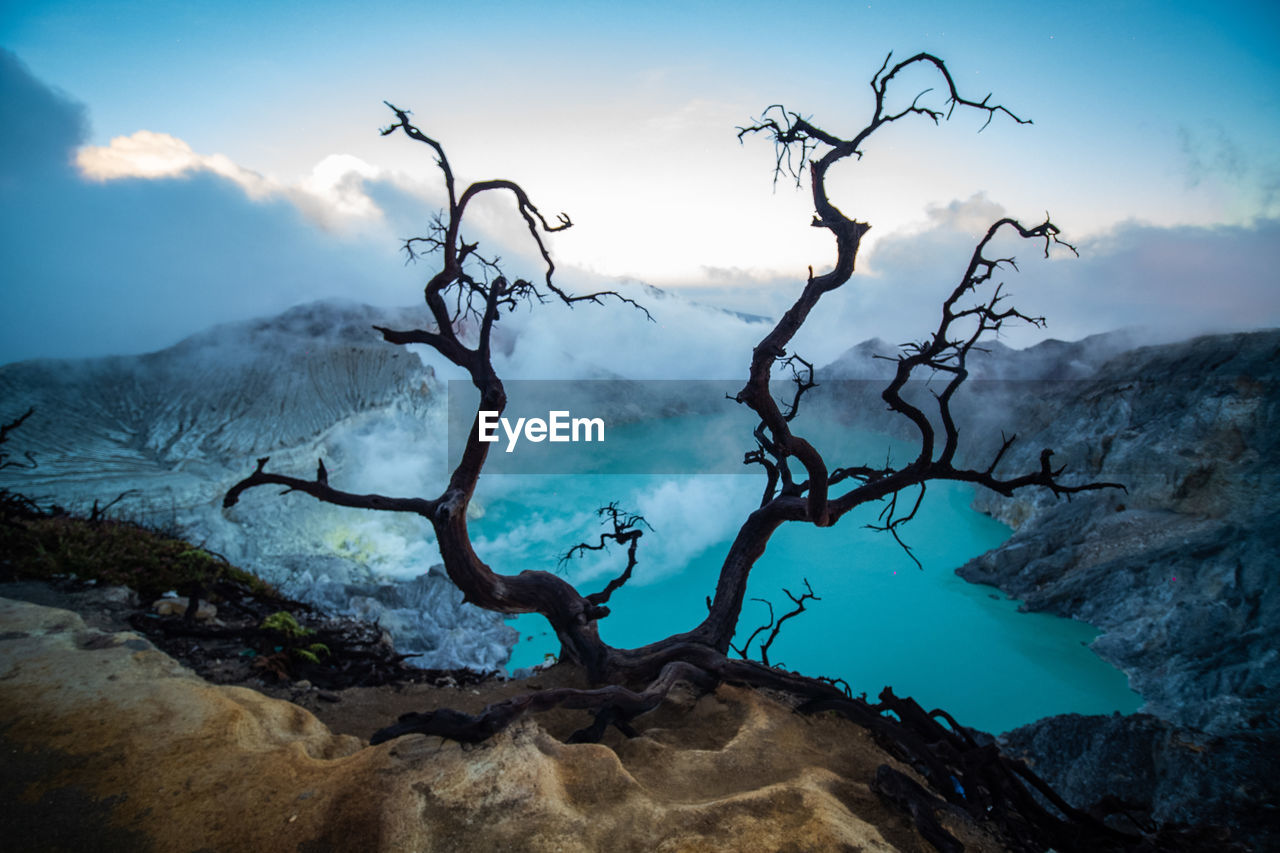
(684, 340)
(167, 240)
(171, 239)
(334, 191)
(1171, 281)
(150, 155)
(332, 194)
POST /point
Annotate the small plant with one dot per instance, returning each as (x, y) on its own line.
(312, 652)
(284, 623)
(46, 544)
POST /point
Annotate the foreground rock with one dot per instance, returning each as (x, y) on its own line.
(111, 745)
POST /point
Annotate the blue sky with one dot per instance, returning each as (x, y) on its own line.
(260, 180)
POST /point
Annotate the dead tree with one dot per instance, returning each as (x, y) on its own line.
(470, 291)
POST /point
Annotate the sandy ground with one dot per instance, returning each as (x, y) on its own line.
(112, 745)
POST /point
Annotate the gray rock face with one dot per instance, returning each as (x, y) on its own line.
(1167, 773)
(172, 430)
(1179, 571)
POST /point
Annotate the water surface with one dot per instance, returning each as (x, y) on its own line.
(880, 621)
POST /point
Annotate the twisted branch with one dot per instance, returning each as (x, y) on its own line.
(627, 530)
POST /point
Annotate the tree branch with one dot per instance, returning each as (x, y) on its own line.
(471, 287)
(28, 456)
(776, 626)
(627, 530)
(799, 143)
(320, 489)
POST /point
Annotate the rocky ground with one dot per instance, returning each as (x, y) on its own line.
(227, 647)
(110, 744)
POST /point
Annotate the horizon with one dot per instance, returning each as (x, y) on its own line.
(1134, 337)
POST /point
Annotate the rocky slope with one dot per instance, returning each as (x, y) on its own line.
(1163, 772)
(1178, 570)
(111, 745)
(172, 430)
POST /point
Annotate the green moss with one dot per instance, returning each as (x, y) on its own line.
(120, 553)
(284, 622)
(312, 652)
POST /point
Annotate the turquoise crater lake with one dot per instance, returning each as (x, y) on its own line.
(880, 621)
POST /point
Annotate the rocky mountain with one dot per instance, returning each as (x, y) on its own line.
(170, 431)
(160, 437)
(1177, 571)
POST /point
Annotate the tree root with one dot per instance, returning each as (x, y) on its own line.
(966, 773)
(613, 702)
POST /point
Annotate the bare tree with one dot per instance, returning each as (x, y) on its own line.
(471, 291)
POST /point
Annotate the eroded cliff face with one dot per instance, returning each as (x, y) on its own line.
(172, 431)
(1179, 571)
(110, 744)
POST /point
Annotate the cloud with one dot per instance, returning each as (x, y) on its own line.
(339, 184)
(129, 247)
(1172, 282)
(41, 125)
(1175, 282)
(146, 154)
(972, 216)
(1204, 157)
(333, 195)
(1212, 156)
(684, 340)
